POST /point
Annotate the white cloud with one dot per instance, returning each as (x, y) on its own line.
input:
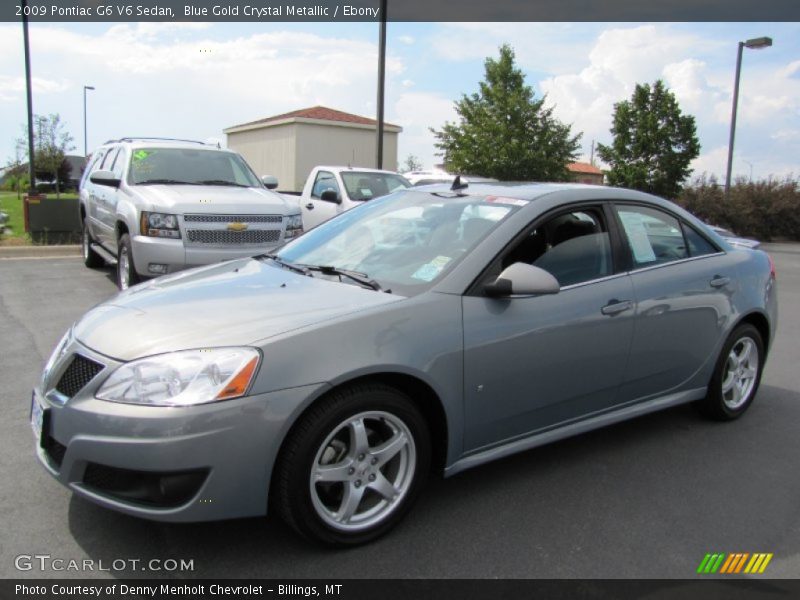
(406, 39)
(416, 112)
(13, 88)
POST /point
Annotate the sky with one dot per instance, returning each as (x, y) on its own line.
(192, 80)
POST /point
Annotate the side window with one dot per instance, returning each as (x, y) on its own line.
(93, 165)
(574, 247)
(324, 181)
(118, 164)
(654, 237)
(108, 160)
(698, 245)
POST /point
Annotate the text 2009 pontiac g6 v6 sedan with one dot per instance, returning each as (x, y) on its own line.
(432, 328)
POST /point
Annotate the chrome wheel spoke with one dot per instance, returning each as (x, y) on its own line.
(388, 450)
(337, 472)
(358, 437)
(350, 502)
(384, 487)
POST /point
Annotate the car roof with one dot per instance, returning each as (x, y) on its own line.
(519, 190)
(355, 169)
(165, 143)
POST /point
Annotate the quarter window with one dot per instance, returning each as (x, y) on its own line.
(698, 245)
(325, 181)
(111, 155)
(654, 237)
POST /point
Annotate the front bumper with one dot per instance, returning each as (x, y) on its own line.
(176, 256)
(225, 450)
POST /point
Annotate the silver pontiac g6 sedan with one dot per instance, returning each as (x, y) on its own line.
(434, 328)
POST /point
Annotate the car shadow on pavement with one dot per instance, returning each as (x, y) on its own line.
(622, 486)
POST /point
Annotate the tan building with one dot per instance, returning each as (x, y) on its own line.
(585, 173)
(288, 146)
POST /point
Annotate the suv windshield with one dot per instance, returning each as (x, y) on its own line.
(404, 242)
(197, 166)
(364, 185)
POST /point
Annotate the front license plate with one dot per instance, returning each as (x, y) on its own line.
(37, 416)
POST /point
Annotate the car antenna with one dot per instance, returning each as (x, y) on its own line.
(457, 185)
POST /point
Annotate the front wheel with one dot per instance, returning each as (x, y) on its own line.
(737, 375)
(126, 271)
(353, 465)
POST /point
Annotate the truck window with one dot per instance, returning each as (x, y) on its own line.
(324, 181)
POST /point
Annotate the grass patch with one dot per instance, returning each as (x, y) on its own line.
(12, 206)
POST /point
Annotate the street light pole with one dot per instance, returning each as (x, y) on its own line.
(27, 46)
(381, 85)
(754, 44)
(85, 138)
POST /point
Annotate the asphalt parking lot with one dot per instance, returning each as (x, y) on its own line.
(647, 498)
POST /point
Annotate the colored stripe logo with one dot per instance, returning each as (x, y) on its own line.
(737, 562)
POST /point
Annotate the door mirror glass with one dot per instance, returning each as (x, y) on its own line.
(104, 178)
(330, 196)
(270, 181)
(521, 279)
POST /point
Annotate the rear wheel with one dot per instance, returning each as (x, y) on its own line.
(737, 375)
(126, 271)
(90, 258)
(353, 465)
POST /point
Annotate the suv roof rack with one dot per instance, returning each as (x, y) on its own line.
(157, 139)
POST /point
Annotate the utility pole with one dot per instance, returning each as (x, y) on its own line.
(26, 42)
(381, 85)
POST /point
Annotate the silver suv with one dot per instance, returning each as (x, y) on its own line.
(155, 206)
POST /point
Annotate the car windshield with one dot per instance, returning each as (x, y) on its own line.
(366, 185)
(196, 166)
(405, 241)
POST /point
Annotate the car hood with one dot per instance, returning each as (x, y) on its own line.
(212, 199)
(229, 304)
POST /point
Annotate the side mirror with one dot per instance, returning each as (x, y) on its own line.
(331, 196)
(522, 279)
(104, 178)
(270, 181)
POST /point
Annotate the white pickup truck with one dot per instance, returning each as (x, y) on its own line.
(329, 191)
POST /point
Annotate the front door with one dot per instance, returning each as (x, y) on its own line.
(316, 210)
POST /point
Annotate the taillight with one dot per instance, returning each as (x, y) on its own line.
(771, 267)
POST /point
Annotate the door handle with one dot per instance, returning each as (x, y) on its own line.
(615, 307)
(310, 206)
(719, 281)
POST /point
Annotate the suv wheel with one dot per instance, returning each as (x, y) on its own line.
(126, 272)
(353, 465)
(90, 258)
(737, 375)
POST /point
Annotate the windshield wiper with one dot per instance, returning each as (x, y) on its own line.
(361, 278)
(221, 182)
(291, 266)
(167, 181)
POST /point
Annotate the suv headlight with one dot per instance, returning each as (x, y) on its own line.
(183, 378)
(294, 226)
(155, 224)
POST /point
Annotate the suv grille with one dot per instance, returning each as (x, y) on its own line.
(232, 219)
(221, 236)
(79, 373)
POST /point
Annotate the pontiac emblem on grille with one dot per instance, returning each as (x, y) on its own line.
(237, 226)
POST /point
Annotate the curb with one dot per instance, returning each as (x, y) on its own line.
(40, 251)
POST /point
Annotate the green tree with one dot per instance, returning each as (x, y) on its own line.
(654, 142)
(504, 132)
(51, 143)
(412, 163)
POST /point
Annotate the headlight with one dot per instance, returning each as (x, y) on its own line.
(294, 226)
(183, 378)
(159, 225)
(57, 353)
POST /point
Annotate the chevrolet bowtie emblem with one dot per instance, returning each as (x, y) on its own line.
(237, 226)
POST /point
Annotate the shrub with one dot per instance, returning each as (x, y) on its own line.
(765, 209)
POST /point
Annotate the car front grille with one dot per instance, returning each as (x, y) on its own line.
(223, 237)
(77, 375)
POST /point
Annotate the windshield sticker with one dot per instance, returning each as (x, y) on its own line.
(366, 192)
(140, 154)
(504, 200)
(429, 271)
(637, 235)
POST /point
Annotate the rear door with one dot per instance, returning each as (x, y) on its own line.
(683, 285)
(105, 198)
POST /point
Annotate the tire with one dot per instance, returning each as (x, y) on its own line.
(736, 376)
(365, 492)
(126, 271)
(90, 258)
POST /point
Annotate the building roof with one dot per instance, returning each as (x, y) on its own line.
(314, 113)
(582, 167)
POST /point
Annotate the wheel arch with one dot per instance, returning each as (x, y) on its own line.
(761, 323)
